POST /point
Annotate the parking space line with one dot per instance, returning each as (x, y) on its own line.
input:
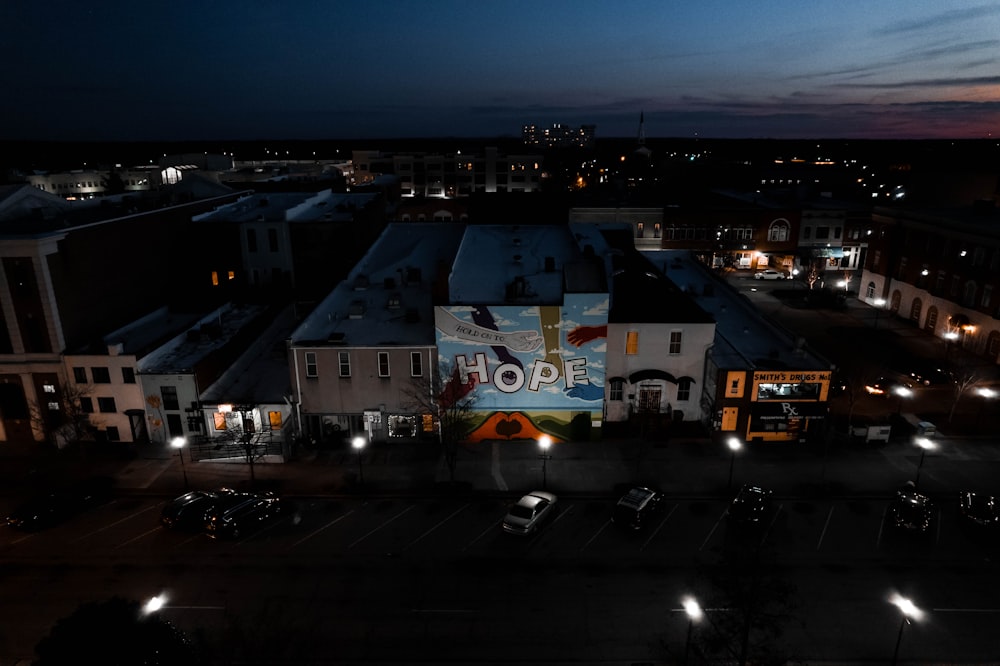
(881, 526)
(658, 528)
(141, 536)
(320, 529)
(825, 526)
(596, 534)
(110, 525)
(440, 523)
(712, 531)
(384, 524)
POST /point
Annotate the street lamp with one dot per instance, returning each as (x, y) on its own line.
(986, 394)
(925, 445)
(902, 392)
(694, 614)
(909, 611)
(879, 303)
(949, 337)
(544, 442)
(734, 445)
(359, 444)
(179, 443)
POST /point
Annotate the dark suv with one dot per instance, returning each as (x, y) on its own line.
(244, 517)
(635, 507)
(750, 506)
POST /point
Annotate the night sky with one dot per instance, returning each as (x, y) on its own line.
(310, 69)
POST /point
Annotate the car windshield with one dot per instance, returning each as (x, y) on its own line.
(519, 511)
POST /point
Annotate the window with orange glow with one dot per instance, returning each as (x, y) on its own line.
(220, 420)
(274, 418)
(215, 279)
(632, 342)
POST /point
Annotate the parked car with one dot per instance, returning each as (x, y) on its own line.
(189, 511)
(911, 511)
(979, 510)
(635, 507)
(769, 274)
(57, 506)
(529, 513)
(224, 505)
(246, 517)
(750, 506)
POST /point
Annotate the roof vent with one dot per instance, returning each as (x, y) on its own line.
(357, 310)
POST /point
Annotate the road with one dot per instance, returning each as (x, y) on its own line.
(399, 581)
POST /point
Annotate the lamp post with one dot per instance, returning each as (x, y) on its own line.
(879, 303)
(986, 394)
(949, 337)
(734, 446)
(179, 444)
(909, 611)
(902, 392)
(694, 614)
(925, 445)
(544, 442)
(359, 444)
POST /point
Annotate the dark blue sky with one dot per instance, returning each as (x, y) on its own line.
(309, 69)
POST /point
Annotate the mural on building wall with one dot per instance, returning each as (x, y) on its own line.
(535, 369)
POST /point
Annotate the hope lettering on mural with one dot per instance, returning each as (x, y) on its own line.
(510, 378)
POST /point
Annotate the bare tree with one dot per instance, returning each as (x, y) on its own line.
(243, 432)
(449, 401)
(62, 420)
(963, 379)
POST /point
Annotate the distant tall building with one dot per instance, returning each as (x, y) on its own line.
(558, 136)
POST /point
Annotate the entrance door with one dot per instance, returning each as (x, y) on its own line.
(649, 399)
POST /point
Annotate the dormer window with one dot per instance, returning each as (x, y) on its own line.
(395, 299)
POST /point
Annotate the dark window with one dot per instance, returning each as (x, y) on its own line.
(684, 390)
(80, 375)
(113, 435)
(345, 364)
(416, 364)
(383, 364)
(272, 240)
(106, 405)
(169, 394)
(128, 375)
(251, 240)
(822, 233)
(101, 375)
(312, 370)
(616, 389)
(86, 405)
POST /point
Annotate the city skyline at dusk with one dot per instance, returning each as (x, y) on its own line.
(328, 70)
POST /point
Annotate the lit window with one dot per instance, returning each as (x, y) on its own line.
(49, 388)
(54, 406)
(232, 275)
(215, 279)
(274, 418)
(220, 420)
(632, 342)
(312, 370)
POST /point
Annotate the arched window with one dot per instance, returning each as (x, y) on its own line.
(993, 344)
(870, 291)
(931, 322)
(778, 230)
(895, 301)
(915, 311)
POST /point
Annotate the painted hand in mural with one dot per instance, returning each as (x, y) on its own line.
(522, 341)
(584, 334)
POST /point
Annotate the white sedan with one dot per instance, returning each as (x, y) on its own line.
(768, 274)
(527, 515)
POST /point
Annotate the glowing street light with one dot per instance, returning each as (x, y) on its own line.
(694, 614)
(179, 443)
(909, 611)
(544, 442)
(734, 445)
(879, 303)
(925, 445)
(359, 444)
(902, 392)
(154, 604)
(986, 394)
